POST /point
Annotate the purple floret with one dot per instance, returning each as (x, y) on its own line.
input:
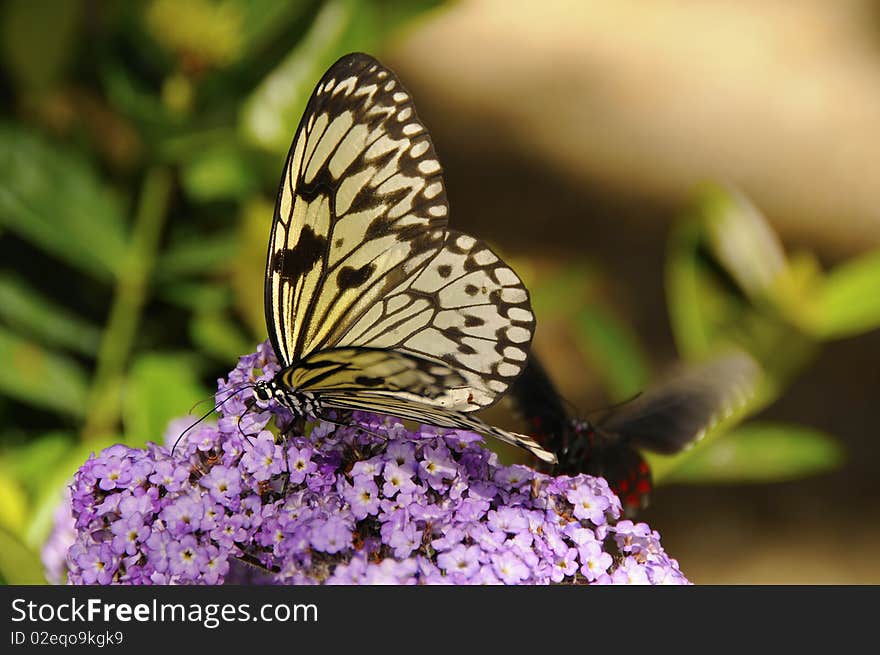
(252, 499)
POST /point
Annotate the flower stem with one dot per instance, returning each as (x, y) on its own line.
(105, 397)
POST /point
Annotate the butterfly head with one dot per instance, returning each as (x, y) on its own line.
(581, 426)
(264, 390)
(277, 389)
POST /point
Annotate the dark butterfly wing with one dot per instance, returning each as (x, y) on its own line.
(540, 404)
(627, 473)
(577, 445)
(676, 413)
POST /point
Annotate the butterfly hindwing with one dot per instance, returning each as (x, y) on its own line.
(538, 401)
(349, 369)
(385, 402)
(387, 381)
(467, 308)
(628, 475)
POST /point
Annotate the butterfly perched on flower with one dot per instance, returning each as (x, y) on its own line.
(371, 302)
(665, 419)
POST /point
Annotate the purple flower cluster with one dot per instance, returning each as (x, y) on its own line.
(364, 501)
(54, 551)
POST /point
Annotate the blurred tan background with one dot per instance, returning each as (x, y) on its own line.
(576, 130)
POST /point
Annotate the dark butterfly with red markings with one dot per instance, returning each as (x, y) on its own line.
(665, 419)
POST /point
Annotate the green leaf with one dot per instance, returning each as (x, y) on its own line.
(53, 485)
(203, 31)
(131, 97)
(724, 264)
(25, 310)
(18, 563)
(197, 295)
(29, 461)
(38, 37)
(376, 21)
(52, 197)
(687, 309)
(248, 269)
(271, 114)
(761, 452)
(217, 334)
(740, 238)
(565, 290)
(613, 349)
(220, 173)
(849, 299)
(39, 377)
(160, 387)
(195, 255)
(13, 504)
(264, 20)
(709, 310)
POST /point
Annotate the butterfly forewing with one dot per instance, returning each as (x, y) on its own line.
(361, 207)
(680, 410)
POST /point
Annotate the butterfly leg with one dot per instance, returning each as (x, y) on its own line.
(298, 426)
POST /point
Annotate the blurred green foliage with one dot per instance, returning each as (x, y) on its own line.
(730, 282)
(140, 151)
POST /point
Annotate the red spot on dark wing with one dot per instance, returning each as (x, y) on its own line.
(633, 501)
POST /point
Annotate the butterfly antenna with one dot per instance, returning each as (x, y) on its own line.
(247, 437)
(613, 406)
(208, 413)
(573, 409)
(251, 561)
(197, 403)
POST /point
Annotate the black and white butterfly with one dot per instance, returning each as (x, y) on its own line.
(371, 302)
(665, 419)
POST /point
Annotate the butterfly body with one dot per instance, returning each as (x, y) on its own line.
(372, 303)
(299, 403)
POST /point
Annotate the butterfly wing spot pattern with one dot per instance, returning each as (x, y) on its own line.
(371, 302)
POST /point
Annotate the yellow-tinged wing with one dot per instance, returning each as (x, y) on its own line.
(361, 208)
(402, 407)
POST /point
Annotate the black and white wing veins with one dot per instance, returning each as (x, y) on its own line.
(371, 302)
